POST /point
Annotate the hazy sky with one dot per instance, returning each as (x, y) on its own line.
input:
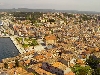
(81, 5)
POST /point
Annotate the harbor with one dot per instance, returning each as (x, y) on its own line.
(7, 48)
(15, 42)
(18, 46)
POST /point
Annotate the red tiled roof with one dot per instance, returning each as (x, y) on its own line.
(50, 37)
(70, 73)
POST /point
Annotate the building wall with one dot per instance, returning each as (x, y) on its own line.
(50, 42)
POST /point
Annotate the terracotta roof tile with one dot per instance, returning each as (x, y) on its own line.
(27, 61)
(70, 73)
(59, 65)
(50, 37)
(79, 61)
(40, 57)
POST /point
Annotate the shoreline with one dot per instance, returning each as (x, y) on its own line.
(20, 49)
(7, 48)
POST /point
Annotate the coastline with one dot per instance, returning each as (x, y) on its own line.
(7, 48)
(20, 49)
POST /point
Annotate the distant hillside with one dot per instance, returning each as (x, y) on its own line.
(25, 10)
(47, 10)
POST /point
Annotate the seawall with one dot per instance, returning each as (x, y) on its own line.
(20, 49)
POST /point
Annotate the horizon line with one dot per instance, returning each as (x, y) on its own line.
(53, 9)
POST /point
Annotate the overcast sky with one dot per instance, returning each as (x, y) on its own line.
(81, 5)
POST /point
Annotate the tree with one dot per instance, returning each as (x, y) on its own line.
(51, 20)
(79, 70)
(16, 63)
(25, 45)
(92, 62)
(96, 71)
(34, 43)
(5, 65)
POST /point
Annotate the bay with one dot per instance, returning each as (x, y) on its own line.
(7, 48)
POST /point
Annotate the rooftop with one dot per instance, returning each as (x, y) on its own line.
(50, 37)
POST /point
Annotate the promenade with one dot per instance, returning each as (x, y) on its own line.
(18, 46)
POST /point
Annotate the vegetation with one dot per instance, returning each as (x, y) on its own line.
(85, 17)
(19, 39)
(33, 17)
(34, 43)
(35, 73)
(30, 42)
(79, 70)
(16, 63)
(1, 15)
(27, 39)
(25, 45)
(51, 20)
(93, 62)
(98, 17)
(5, 65)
